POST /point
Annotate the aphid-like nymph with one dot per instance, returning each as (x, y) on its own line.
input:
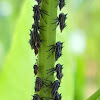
(61, 21)
(35, 40)
(61, 4)
(58, 70)
(38, 84)
(58, 96)
(58, 50)
(55, 87)
(37, 13)
(36, 97)
(35, 69)
(32, 41)
(38, 1)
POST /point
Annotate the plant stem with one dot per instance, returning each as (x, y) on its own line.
(48, 38)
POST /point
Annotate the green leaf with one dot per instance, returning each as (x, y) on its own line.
(95, 96)
(16, 77)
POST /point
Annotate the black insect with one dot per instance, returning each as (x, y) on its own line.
(61, 21)
(38, 41)
(37, 97)
(36, 19)
(61, 3)
(58, 50)
(58, 70)
(32, 41)
(36, 36)
(58, 96)
(39, 2)
(37, 27)
(36, 50)
(36, 68)
(35, 40)
(38, 84)
(37, 13)
(36, 16)
(55, 87)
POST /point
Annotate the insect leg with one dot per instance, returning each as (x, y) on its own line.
(56, 26)
(50, 49)
(51, 53)
(50, 70)
(45, 12)
(43, 18)
(50, 75)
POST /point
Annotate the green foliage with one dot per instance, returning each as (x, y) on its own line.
(79, 79)
(95, 96)
(16, 77)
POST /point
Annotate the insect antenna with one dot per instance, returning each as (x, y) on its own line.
(50, 54)
(52, 48)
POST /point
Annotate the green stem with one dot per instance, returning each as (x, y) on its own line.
(48, 38)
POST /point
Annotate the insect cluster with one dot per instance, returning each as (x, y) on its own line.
(35, 40)
(35, 43)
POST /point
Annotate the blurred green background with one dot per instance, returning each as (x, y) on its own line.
(80, 54)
